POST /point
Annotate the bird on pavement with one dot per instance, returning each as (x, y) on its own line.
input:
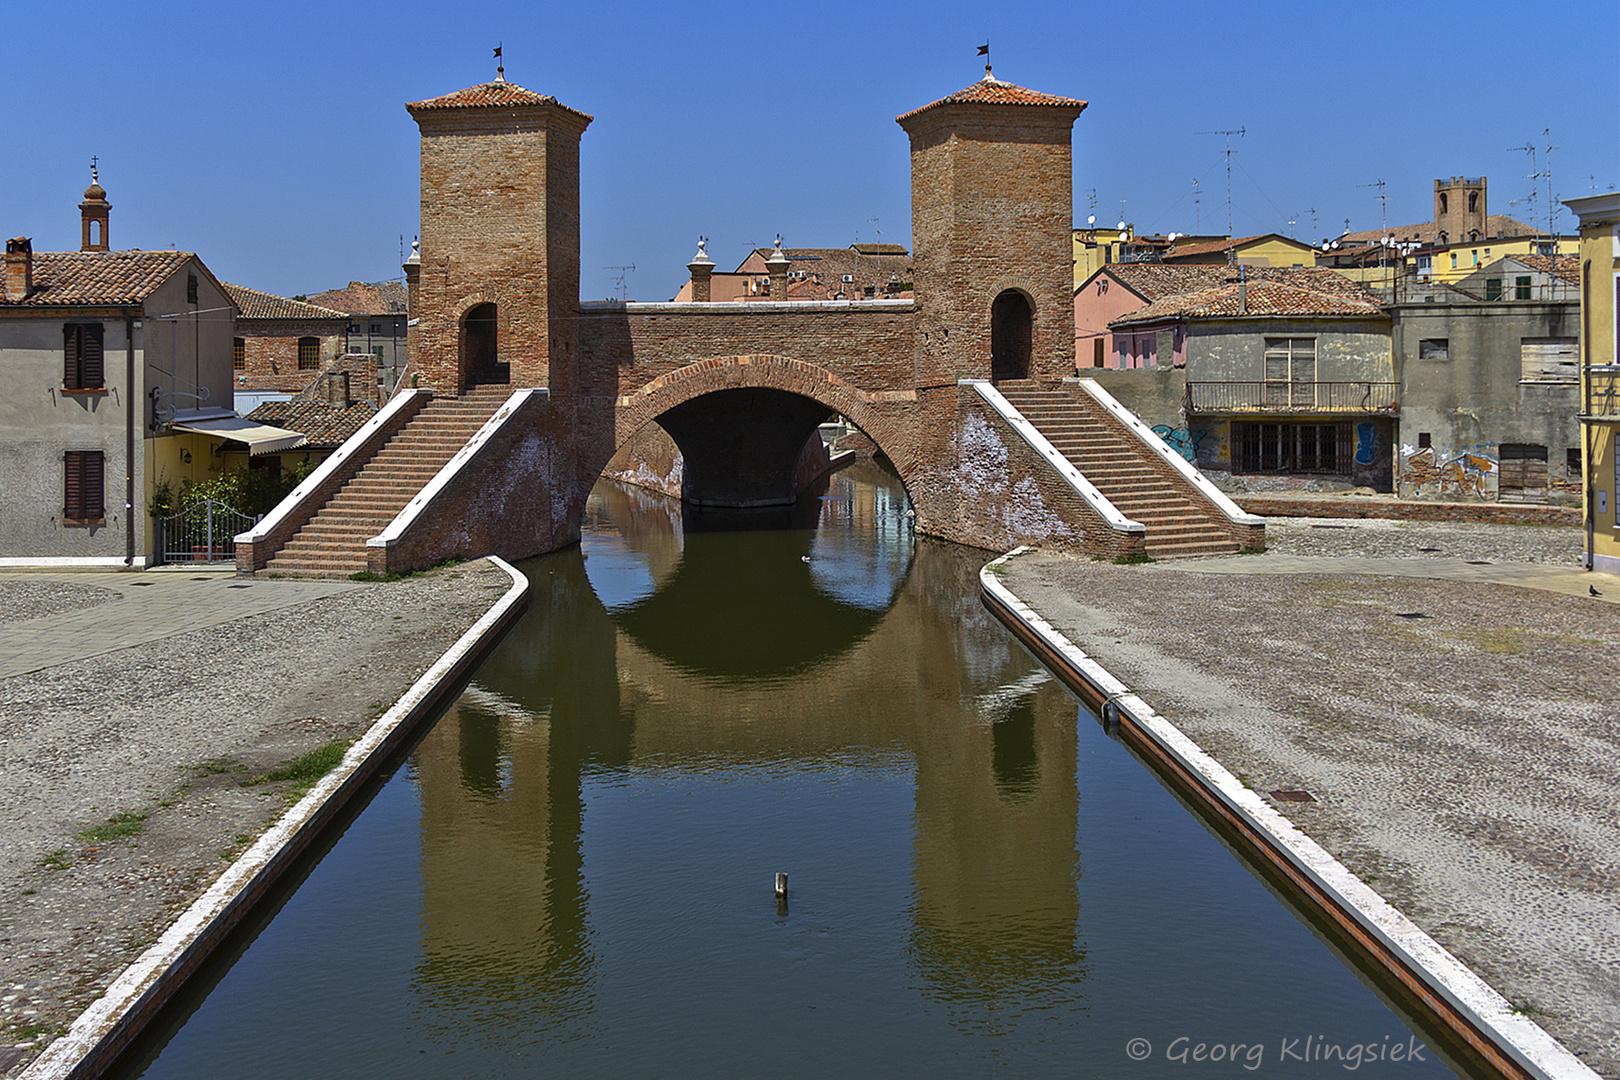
(1593, 590)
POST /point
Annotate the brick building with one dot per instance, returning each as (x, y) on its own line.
(378, 312)
(281, 344)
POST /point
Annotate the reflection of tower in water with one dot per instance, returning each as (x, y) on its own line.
(996, 901)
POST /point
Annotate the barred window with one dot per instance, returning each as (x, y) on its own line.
(238, 354)
(1291, 448)
(309, 353)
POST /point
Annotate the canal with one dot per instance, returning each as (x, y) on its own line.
(571, 874)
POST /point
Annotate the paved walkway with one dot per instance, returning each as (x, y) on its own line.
(148, 607)
(1568, 581)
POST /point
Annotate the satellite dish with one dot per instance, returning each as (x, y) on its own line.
(1092, 220)
(1122, 226)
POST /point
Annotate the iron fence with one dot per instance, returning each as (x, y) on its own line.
(1291, 397)
(203, 532)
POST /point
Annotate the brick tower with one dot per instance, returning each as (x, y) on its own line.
(992, 209)
(497, 289)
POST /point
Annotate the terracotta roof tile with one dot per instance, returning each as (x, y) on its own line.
(254, 304)
(497, 94)
(363, 298)
(1306, 292)
(324, 426)
(1564, 267)
(1497, 227)
(99, 277)
(989, 91)
(1154, 281)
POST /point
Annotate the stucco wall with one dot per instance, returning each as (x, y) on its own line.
(1472, 401)
(1346, 349)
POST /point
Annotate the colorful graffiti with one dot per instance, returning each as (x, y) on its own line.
(1466, 473)
(1181, 440)
(1366, 444)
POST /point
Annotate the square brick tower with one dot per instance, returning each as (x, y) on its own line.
(497, 289)
(992, 210)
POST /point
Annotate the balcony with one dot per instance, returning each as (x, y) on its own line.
(1293, 398)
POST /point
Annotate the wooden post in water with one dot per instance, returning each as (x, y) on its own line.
(781, 886)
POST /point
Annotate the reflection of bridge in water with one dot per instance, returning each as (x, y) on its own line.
(579, 693)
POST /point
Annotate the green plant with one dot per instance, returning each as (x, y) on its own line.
(161, 501)
(118, 827)
(54, 860)
(305, 769)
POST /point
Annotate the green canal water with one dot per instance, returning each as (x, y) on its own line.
(571, 874)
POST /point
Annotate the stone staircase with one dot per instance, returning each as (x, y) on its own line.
(1112, 459)
(332, 543)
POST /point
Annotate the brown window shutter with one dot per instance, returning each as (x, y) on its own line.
(95, 468)
(73, 484)
(70, 356)
(91, 370)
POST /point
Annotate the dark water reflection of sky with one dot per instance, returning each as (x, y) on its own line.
(571, 875)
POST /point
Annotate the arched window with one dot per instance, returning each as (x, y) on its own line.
(309, 353)
(1011, 326)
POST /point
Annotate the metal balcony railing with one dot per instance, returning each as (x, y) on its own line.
(1291, 397)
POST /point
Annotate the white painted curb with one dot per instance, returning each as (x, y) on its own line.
(1518, 1037)
(156, 971)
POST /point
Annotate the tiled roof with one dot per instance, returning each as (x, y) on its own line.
(323, 426)
(1564, 267)
(497, 94)
(98, 277)
(1265, 297)
(1497, 227)
(361, 298)
(880, 249)
(824, 269)
(254, 304)
(1181, 251)
(989, 91)
(1154, 281)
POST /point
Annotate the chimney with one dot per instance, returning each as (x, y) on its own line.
(337, 389)
(19, 269)
(777, 267)
(701, 268)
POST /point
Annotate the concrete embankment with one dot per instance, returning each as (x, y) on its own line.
(1449, 742)
(135, 753)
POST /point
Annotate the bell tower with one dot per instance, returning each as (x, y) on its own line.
(992, 213)
(93, 214)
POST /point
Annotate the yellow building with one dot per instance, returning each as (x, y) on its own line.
(1600, 411)
(1268, 249)
(1454, 262)
(1095, 248)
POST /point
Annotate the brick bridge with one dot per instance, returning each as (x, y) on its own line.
(518, 395)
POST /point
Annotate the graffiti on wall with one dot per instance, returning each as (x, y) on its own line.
(1366, 444)
(1464, 474)
(1182, 440)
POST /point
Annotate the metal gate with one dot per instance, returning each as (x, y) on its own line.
(202, 532)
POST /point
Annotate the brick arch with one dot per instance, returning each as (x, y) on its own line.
(756, 370)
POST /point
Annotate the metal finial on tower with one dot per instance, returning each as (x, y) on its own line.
(500, 72)
(94, 159)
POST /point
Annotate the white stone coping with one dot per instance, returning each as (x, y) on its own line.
(1222, 502)
(71, 562)
(733, 307)
(339, 458)
(222, 904)
(1054, 457)
(1515, 1035)
(419, 503)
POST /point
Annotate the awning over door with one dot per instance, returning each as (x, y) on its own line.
(260, 438)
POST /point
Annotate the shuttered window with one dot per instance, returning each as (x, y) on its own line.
(82, 367)
(1549, 360)
(1290, 367)
(84, 485)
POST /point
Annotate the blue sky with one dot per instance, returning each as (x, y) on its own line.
(273, 139)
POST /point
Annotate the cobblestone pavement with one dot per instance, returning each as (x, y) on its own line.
(1458, 736)
(128, 765)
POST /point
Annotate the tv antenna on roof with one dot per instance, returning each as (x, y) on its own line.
(1231, 253)
(618, 280)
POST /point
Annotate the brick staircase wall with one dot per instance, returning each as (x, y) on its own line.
(330, 539)
(1180, 520)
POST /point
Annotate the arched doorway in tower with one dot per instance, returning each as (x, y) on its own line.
(1011, 330)
(479, 344)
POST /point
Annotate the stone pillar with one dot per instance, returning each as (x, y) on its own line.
(701, 267)
(777, 267)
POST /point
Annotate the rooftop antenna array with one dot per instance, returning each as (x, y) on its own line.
(1383, 224)
(1543, 173)
(1231, 253)
(619, 279)
(1198, 214)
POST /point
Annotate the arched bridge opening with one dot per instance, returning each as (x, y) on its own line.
(747, 427)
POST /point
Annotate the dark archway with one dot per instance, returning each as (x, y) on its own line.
(742, 446)
(1011, 331)
(479, 346)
